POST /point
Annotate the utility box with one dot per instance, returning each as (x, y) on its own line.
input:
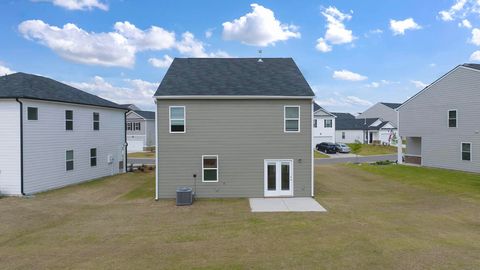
(184, 196)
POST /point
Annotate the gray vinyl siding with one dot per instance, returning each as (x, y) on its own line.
(425, 116)
(10, 174)
(46, 141)
(243, 133)
(380, 111)
(150, 132)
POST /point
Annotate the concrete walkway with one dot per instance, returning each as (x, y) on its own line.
(285, 205)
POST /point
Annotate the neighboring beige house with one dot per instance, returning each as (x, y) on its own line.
(234, 127)
(442, 122)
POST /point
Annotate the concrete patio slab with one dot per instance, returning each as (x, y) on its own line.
(285, 205)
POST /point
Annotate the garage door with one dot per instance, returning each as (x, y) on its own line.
(320, 139)
(135, 146)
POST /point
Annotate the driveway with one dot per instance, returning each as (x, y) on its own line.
(144, 161)
(353, 159)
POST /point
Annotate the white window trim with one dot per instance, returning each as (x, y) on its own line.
(27, 113)
(471, 151)
(456, 118)
(325, 123)
(96, 121)
(129, 126)
(69, 120)
(184, 120)
(96, 159)
(134, 126)
(285, 118)
(73, 160)
(315, 123)
(203, 169)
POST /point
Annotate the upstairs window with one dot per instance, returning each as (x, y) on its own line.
(68, 120)
(291, 119)
(32, 113)
(136, 126)
(69, 160)
(343, 135)
(315, 123)
(96, 121)
(129, 126)
(328, 123)
(467, 151)
(210, 168)
(177, 119)
(93, 157)
(452, 118)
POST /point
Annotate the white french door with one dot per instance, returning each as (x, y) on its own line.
(278, 176)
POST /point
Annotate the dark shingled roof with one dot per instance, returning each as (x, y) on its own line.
(343, 115)
(149, 115)
(317, 107)
(354, 124)
(234, 77)
(392, 105)
(22, 85)
(474, 66)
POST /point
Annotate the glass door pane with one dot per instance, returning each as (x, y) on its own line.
(271, 176)
(285, 176)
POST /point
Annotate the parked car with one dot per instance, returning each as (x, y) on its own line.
(326, 147)
(342, 148)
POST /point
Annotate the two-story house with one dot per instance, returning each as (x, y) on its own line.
(441, 123)
(140, 130)
(53, 135)
(234, 127)
(384, 110)
(323, 125)
(350, 129)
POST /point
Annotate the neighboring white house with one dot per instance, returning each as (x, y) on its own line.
(441, 123)
(368, 130)
(53, 135)
(140, 130)
(323, 125)
(385, 111)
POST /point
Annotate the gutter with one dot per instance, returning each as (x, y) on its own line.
(21, 147)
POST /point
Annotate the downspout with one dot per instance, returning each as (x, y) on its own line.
(399, 141)
(21, 147)
(156, 150)
(125, 143)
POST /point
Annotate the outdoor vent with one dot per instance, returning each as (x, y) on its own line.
(184, 196)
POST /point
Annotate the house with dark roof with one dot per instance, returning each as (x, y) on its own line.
(54, 135)
(234, 127)
(140, 130)
(323, 125)
(441, 124)
(383, 110)
(350, 129)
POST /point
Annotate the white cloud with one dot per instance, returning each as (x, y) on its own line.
(465, 23)
(377, 84)
(336, 33)
(347, 75)
(117, 48)
(399, 27)
(161, 63)
(5, 70)
(475, 36)
(475, 56)
(448, 15)
(77, 4)
(344, 102)
(419, 84)
(353, 100)
(136, 91)
(259, 28)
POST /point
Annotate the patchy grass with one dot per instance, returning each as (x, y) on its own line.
(372, 150)
(373, 222)
(320, 155)
(142, 155)
(446, 181)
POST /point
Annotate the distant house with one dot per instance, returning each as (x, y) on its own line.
(368, 130)
(385, 111)
(323, 125)
(234, 127)
(140, 130)
(131, 107)
(53, 135)
(441, 123)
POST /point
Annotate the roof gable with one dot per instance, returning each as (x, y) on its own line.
(391, 105)
(23, 85)
(233, 77)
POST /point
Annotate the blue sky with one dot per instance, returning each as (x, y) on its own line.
(353, 53)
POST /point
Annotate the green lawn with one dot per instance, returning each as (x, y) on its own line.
(320, 155)
(378, 218)
(142, 155)
(372, 150)
(446, 181)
